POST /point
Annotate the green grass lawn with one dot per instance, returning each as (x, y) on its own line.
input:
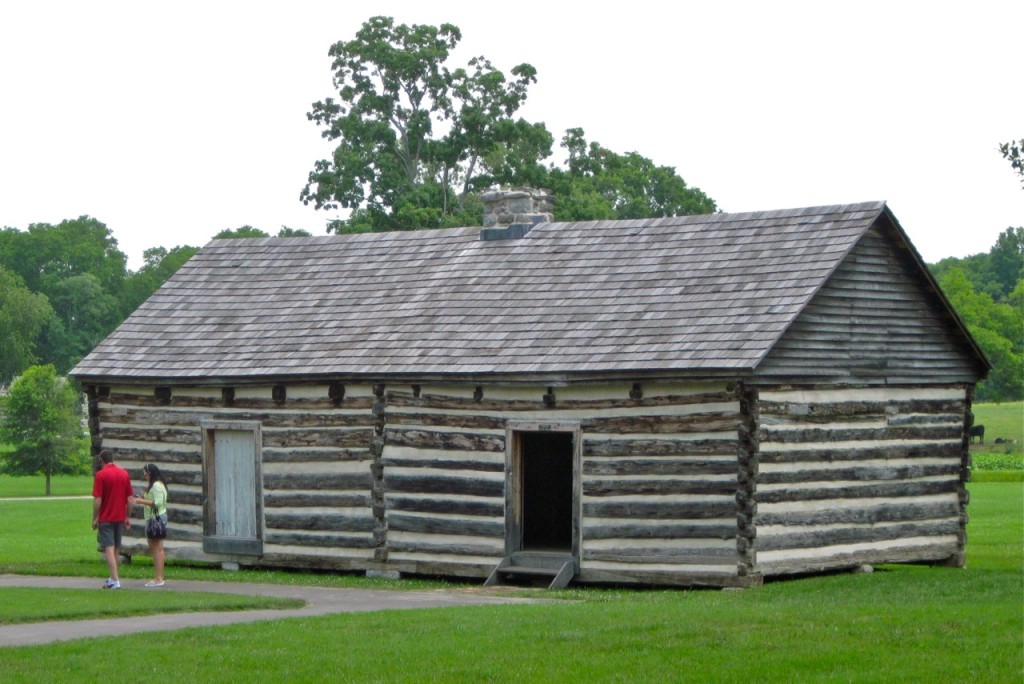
(62, 485)
(900, 623)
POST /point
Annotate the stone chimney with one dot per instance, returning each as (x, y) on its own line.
(511, 213)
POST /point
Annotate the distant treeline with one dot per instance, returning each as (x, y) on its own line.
(987, 291)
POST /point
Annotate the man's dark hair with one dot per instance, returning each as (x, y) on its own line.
(107, 456)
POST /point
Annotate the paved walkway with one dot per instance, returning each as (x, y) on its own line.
(319, 601)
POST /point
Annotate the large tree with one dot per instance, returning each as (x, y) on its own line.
(418, 142)
(41, 420)
(414, 137)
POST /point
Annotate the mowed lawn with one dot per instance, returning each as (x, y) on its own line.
(900, 623)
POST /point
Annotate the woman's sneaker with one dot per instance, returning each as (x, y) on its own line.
(111, 584)
(154, 583)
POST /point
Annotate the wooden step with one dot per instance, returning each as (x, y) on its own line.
(516, 566)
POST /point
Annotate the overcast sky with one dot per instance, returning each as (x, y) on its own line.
(172, 121)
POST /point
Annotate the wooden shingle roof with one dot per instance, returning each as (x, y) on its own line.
(693, 294)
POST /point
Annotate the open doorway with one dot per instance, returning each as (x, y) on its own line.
(546, 472)
(544, 496)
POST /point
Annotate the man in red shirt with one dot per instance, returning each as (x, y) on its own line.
(111, 505)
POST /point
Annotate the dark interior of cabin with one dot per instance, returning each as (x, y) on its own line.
(546, 471)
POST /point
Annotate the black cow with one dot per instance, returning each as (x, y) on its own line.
(977, 431)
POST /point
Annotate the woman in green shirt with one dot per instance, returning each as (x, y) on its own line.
(155, 502)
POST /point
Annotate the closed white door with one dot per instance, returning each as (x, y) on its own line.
(235, 483)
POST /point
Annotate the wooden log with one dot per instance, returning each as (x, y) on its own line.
(448, 441)
(914, 554)
(710, 422)
(659, 510)
(447, 568)
(830, 455)
(658, 466)
(661, 531)
(856, 535)
(161, 457)
(894, 512)
(858, 473)
(450, 420)
(175, 516)
(181, 477)
(814, 411)
(694, 556)
(181, 497)
(331, 522)
(340, 437)
(341, 541)
(482, 507)
(467, 549)
(657, 447)
(681, 578)
(322, 481)
(427, 484)
(448, 526)
(445, 464)
(803, 436)
(278, 499)
(149, 434)
(322, 455)
(868, 490)
(661, 486)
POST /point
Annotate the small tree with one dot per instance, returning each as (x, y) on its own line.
(41, 421)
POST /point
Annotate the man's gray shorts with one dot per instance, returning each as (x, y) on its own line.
(109, 534)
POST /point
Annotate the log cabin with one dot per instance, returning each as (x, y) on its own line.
(694, 401)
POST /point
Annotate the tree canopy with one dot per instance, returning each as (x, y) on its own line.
(417, 141)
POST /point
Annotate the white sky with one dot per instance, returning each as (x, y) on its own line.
(172, 121)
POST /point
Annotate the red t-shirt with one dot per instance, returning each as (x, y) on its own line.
(112, 485)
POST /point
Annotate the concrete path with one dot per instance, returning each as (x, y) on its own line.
(319, 601)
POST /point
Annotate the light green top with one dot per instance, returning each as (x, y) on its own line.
(158, 495)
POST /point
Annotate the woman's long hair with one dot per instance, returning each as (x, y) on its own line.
(154, 475)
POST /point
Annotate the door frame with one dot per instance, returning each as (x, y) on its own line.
(213, 543)
(514, 479)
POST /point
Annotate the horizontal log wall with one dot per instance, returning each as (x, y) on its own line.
(659, 483)
(316, 465)
(444, 483)
(859, 476)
